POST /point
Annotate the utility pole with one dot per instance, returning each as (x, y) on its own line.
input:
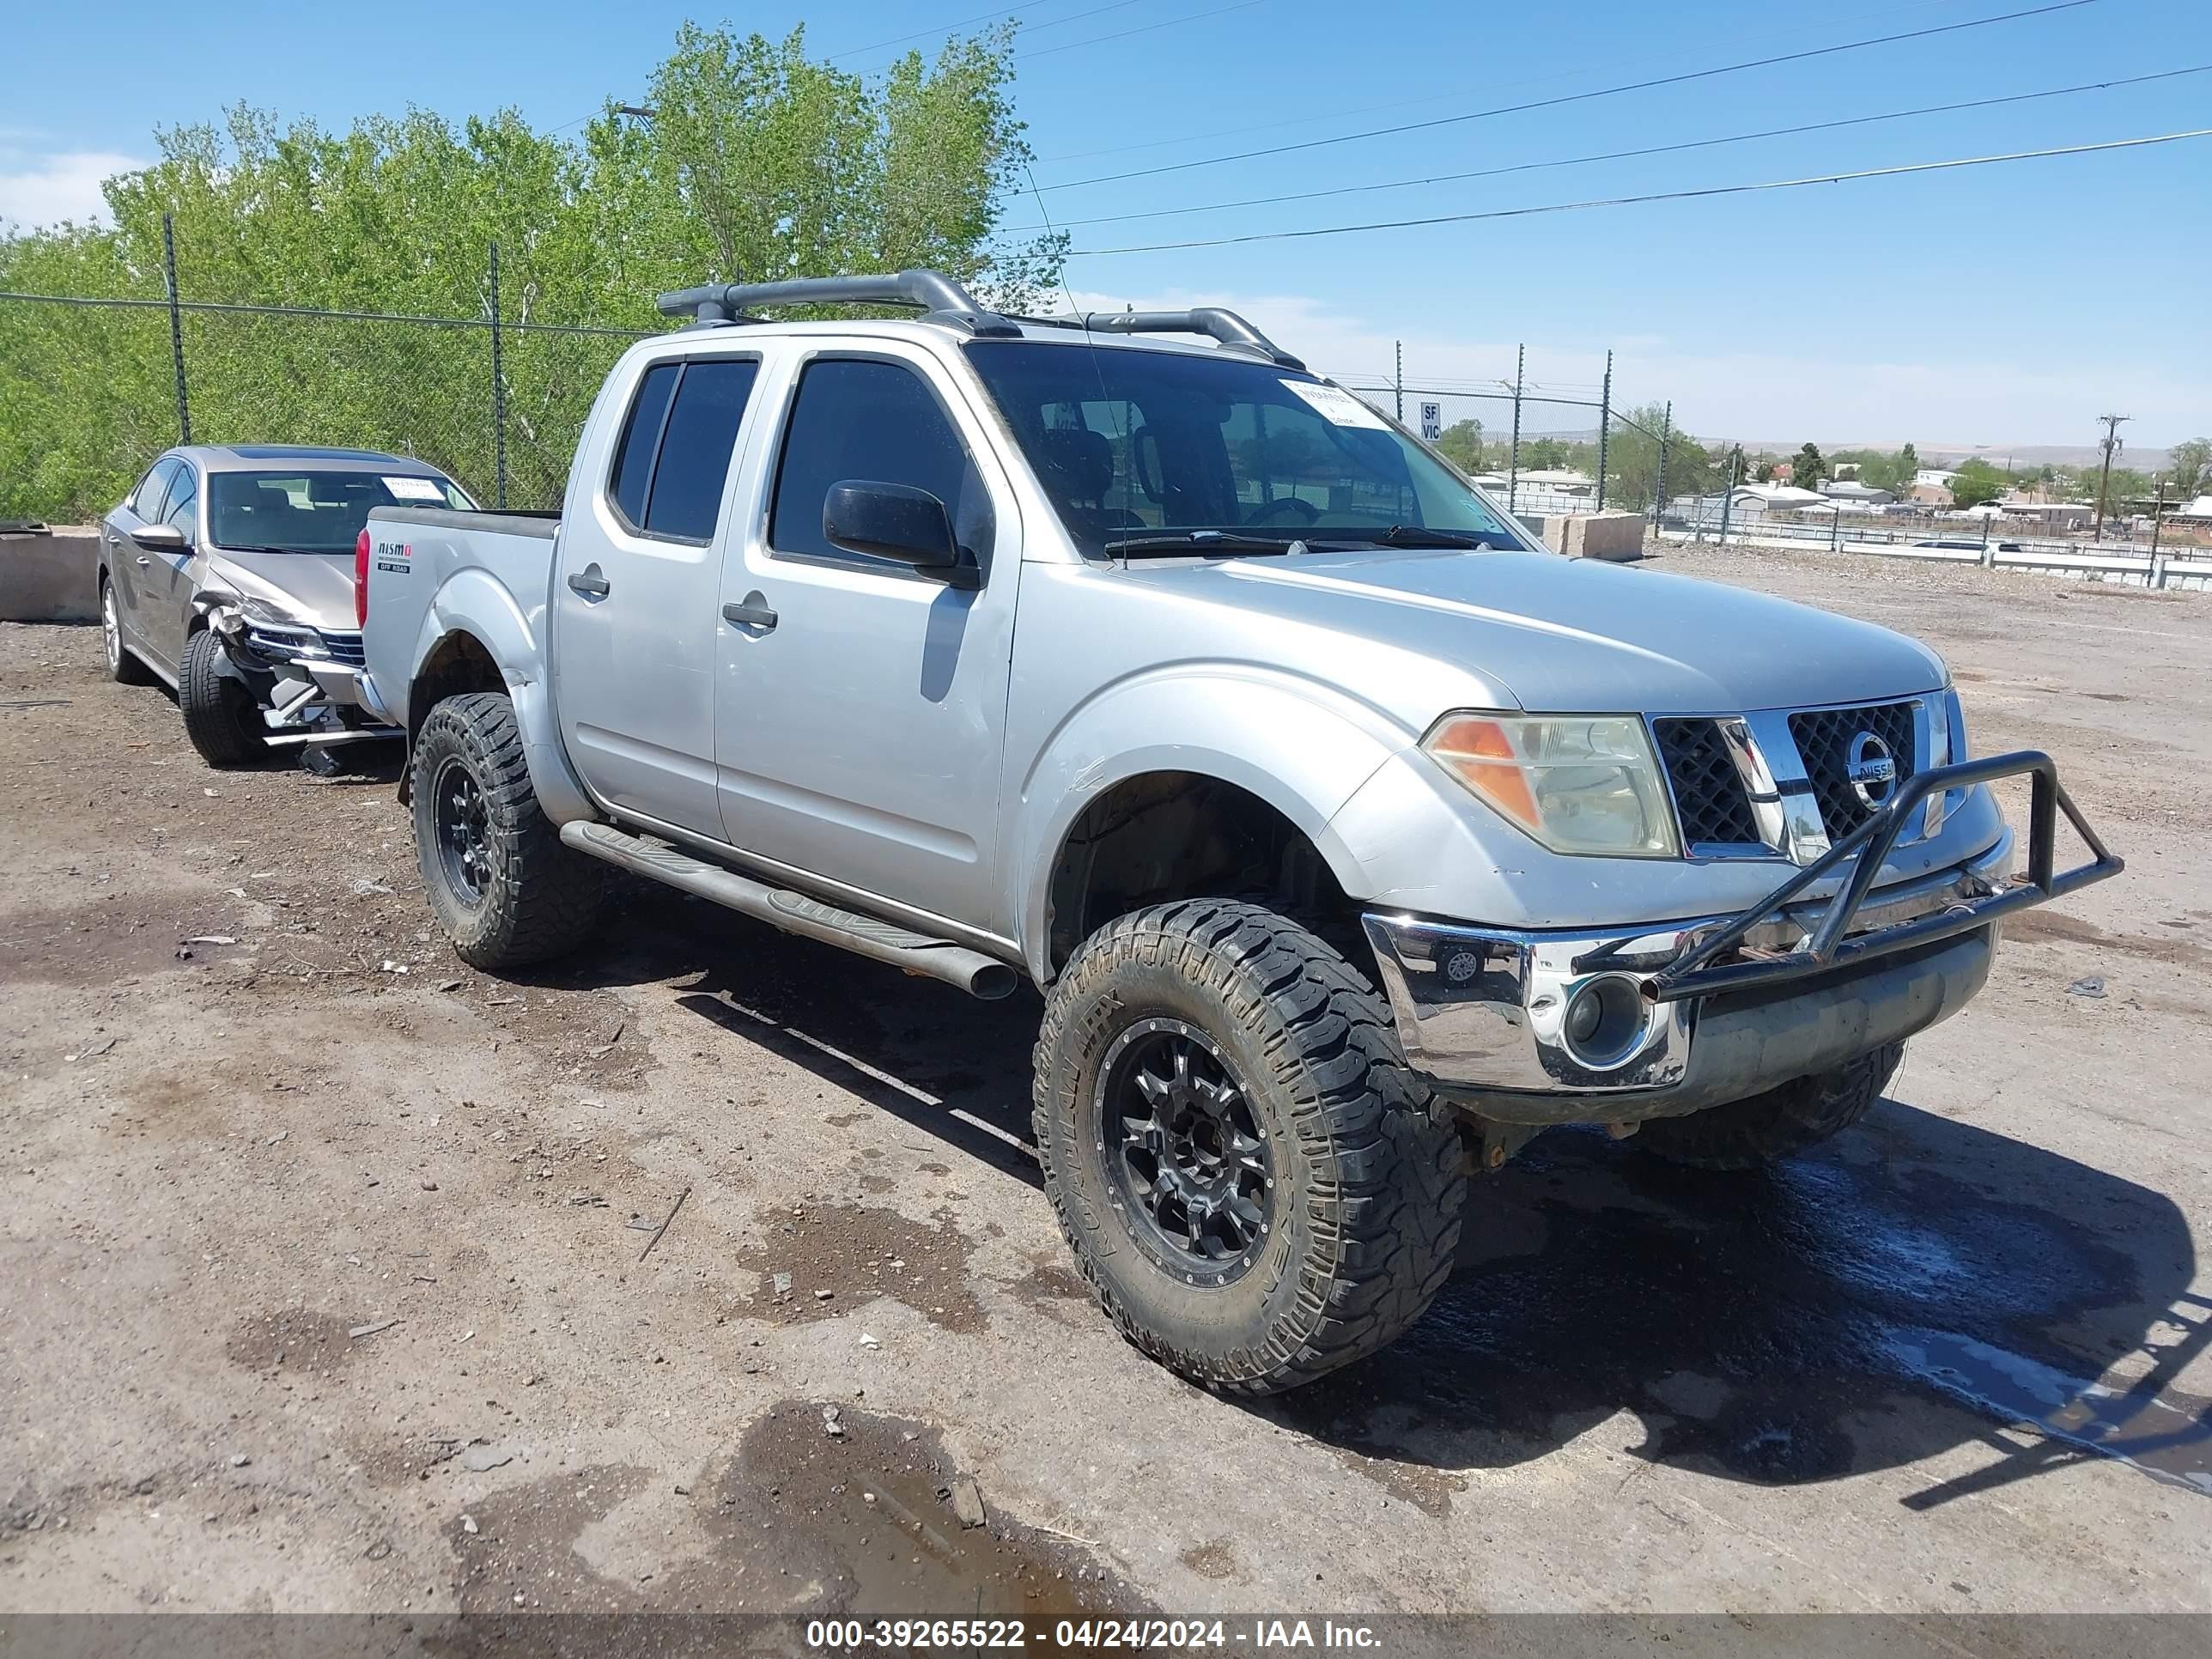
(1398, 382)
(1728, 501)
(2111, 446)
(1659, 488)
(1604, 429)
(1513, 477)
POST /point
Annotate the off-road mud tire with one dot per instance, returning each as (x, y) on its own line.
(1783, 1121)
(1368, 1181)
(540, 898)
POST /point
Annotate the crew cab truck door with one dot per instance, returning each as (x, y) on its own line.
(635, 622)
(862, 705)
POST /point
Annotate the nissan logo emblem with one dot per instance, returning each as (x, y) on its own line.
(1871, 768)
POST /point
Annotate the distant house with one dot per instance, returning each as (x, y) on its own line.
(1931, 487)
(2051, 515)
(1851, 492)
(1780, 473)
(2196, 512)
(1558, 481)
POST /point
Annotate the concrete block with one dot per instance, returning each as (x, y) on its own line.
(1616, 535)
(50, 575)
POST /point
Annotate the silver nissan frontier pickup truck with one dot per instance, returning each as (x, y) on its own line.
(1350, 837)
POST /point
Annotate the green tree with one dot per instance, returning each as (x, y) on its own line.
(2130, 484)
(1977, 482)
(1545, 455)
(1808, 470)
(2189, 467)
(759, 162)
(1461, 445)
(1632, 460)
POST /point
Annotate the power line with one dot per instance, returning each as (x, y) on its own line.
(995, 16)
(1393, 103)
(1167, 23)
(1625, 155)
(1580, 97)
(969, 22)
(1654, 196)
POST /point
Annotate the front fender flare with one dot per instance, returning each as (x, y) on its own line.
(1300, 746)
(472, 602)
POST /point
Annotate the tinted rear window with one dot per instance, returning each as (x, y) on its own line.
(680, 481)
(641, 441)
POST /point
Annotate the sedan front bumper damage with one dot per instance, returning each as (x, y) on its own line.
(312, 687)
(1619, 1025)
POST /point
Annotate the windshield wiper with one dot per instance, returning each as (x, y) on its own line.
(233, 547)
(1203, 541)
(1414, 535)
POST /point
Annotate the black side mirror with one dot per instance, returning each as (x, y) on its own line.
(895, 521)
(161, 538)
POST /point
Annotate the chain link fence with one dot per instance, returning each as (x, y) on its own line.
(91, 389)
(1548, 448)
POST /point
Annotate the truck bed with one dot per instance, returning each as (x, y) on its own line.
(500, 561)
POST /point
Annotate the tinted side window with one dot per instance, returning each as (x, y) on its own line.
(876, 421)
(640, 441)
(183, 508)
(147, 503)
(696, 447)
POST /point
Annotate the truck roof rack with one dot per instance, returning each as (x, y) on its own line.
(1226, 326)
(941, 299)
(937, 296)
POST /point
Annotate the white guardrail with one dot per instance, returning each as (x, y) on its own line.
(2190, 567)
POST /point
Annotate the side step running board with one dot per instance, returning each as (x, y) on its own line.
(795, 913)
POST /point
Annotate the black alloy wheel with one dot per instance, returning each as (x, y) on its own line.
(1184, 1157)
(464, 821)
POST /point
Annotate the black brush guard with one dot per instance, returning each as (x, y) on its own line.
(1697, 972)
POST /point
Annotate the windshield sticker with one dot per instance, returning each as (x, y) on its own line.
(1336, 406)
(416, 489)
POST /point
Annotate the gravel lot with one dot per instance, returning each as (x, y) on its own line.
(328, 1284)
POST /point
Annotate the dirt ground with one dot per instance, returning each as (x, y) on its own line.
(336, 1276)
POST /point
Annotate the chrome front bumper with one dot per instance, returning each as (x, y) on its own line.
(1488, 1014)
(1485, 1008)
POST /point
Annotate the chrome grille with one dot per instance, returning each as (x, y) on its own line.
(1824, 740)
(281, 642)
(1710, 799)
(344, 647)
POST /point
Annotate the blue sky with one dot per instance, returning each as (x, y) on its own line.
(2000, 306)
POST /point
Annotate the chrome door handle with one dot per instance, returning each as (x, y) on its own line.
(590, 583)
(144, 561)
(750, 616)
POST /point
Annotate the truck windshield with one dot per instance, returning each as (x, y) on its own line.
(1152, 452)
(311, 512)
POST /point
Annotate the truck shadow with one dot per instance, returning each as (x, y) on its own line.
(1919, 1285)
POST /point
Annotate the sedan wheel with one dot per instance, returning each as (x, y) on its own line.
(123, 668)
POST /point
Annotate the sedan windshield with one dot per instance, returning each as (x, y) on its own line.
(1157, 452)
(311, 512)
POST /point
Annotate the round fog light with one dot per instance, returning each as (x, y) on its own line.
(1606, 1022)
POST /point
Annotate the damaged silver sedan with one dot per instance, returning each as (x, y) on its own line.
(233, 574)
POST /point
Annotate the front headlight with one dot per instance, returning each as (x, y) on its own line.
(1576, 783)
(1946, 742)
